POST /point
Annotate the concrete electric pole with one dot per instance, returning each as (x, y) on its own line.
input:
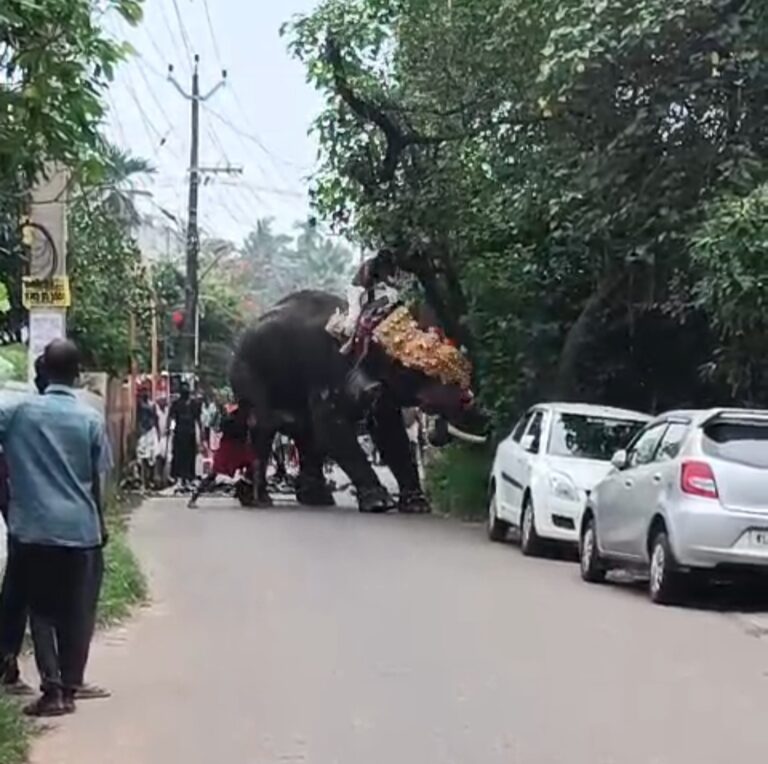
(191, 286)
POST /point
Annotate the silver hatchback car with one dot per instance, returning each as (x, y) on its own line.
(690, 493)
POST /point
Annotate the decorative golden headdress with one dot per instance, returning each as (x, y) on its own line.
(426, 351)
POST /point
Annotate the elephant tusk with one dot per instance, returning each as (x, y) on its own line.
(466, 437)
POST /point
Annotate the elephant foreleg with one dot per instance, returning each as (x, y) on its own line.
(391, 439)
(338, 438)
(311, 487)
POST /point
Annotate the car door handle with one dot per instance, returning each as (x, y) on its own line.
(657, 478)
(628, 483)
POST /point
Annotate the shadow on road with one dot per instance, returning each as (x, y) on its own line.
(718, 595)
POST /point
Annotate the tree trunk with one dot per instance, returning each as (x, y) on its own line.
(566, 387)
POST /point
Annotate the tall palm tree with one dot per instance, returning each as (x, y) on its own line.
(118, 189)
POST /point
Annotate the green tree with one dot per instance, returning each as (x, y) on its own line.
(318, 262)
(265, 255)
(730, 257)
(274, 265)
(224, 310)
(55, 62)
(110, 287)
(543, 168)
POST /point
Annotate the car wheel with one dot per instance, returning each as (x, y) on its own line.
(497, 528)
(593, 567)
(664, 585)
(530, 543)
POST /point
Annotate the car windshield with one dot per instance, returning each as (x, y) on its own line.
(744, 442)
(591, 437)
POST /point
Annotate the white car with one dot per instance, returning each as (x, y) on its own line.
(546, 468)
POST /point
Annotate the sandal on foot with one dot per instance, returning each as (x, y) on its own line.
(92, 692)
(48, 705)
(17, 688)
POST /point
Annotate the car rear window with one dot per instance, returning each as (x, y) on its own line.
(742, 442)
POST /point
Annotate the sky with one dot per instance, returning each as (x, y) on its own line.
(259, 121)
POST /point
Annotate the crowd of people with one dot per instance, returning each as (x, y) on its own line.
(190, 443)
(56, 455)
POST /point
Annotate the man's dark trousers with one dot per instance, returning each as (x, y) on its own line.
(13, 612)
(59, 585)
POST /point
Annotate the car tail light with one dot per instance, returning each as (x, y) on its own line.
(698, 479)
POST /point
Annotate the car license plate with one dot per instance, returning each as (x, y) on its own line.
(759, 538)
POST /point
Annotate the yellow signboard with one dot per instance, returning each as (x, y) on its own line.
(46, 293)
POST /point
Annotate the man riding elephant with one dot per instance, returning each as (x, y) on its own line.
(292, 371)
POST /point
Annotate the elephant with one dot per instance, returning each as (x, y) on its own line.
(289, 372)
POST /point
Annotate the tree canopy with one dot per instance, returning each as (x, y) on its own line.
(55, 62)
(551, 171)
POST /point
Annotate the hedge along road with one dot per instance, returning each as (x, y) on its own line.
(327, 637)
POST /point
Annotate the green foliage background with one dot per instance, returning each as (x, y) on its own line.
(577, 184)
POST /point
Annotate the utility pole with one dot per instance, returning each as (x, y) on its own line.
(191, 285)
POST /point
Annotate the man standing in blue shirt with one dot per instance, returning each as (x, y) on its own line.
(54, 446)
(13, 605)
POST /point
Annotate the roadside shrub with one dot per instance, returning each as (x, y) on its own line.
(124, 583)
(14, 733)
(457, 480)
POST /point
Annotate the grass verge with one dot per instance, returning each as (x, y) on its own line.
(14, 733)
(457, 480)
(124, 583)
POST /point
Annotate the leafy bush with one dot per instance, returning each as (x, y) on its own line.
(729, 253)
(15, 357)
(457, 480)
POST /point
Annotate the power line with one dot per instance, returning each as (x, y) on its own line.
(182, 28)
(149, 127)
(152, 94)
(266, 178)
(254, 138)
(188, 59)
(214, 136)
(170, 128)
(243, 210)
(116, 117)
(216, 49)
(160, 54)
(266, 189)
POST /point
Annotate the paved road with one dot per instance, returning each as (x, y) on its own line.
(325, 637)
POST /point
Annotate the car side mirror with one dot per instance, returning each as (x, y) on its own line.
(620, 460)
(528, 442)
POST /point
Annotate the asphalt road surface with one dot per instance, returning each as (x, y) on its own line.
(326, 637)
